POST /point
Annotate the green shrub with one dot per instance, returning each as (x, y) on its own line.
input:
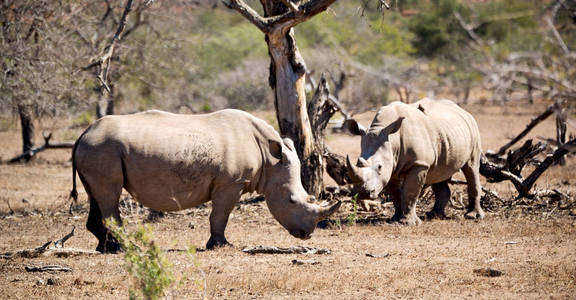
(151, 271)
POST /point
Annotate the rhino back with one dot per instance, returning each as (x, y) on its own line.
(169, 161)
(436, 132)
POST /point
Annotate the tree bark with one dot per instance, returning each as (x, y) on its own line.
(288, 79)
(25, 112)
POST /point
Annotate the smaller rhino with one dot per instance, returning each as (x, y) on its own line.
(411, 145)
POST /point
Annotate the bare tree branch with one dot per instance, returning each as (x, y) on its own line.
(543, 116)
(109, 50)
(47, 145)
(293, 7)
(249, 13)
(550, 22)
(283, 22)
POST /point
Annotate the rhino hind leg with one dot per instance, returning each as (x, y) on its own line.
(103, 205)
(107, 243)
(472, 173)
(442, 196)
(223, 201)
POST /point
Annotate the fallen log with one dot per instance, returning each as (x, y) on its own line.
(289, 250)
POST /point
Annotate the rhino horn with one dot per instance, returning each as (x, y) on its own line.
(326, 211)
(362, 162)
(353, 171)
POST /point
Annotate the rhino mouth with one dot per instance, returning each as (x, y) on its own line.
(301, 234)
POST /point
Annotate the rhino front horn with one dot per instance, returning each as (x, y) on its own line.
(327, 211)
(353, 171)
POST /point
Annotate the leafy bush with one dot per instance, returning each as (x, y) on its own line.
(151, 271)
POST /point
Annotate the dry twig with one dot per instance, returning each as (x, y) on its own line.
(60, 243)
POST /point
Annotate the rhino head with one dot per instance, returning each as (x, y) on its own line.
(285, 196)
(374, 168)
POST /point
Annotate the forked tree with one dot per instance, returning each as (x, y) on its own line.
(288, 76)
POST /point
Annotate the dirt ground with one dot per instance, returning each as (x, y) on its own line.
(531, 242)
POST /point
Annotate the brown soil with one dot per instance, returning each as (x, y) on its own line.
(531, 242)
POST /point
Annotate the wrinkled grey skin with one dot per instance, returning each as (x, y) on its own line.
(171, 162)
(411, 145)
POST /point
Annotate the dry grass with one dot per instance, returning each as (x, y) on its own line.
(435, 260)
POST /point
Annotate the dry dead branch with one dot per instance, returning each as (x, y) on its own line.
(496, 168)
(304, 262)
(47, 145)
(60, 243)
(541, 117)
(47, 268)
(497, 173)
(45, 250)
(27, 253)
(378, 256)
(289, 250)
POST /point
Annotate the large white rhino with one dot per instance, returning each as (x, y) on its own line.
(410, 145)
(171, 162)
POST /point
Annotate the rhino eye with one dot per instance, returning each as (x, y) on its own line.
(379, 168)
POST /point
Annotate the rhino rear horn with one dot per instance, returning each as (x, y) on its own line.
(327, 211)
(353, 171)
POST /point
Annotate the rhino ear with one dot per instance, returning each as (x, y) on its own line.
(353, 127)
(289, 143)
(394, 127)
(275, 149)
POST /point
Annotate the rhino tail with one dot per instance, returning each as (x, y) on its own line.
(74, 193)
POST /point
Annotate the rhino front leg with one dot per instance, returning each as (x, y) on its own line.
(472, 173)
(442, 196)
(413, 183)
(395, 191)
(223, 202)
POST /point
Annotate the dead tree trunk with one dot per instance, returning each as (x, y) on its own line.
(561, 129)
(25, 113)
(288, 76)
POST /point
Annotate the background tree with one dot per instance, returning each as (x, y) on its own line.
(38, 61)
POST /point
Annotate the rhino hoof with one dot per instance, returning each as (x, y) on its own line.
(410, 221)
(109, 247)
(475, 214)
(435, 215)
(214, 243)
